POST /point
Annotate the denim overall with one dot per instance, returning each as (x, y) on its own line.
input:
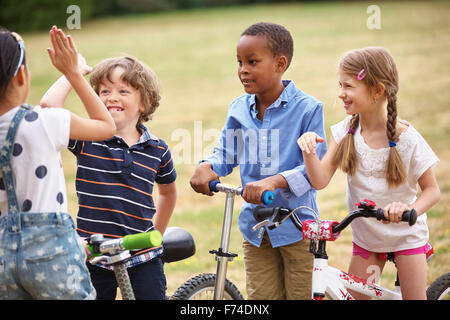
(41, 255)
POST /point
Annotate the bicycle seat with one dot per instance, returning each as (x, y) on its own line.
(178, 244)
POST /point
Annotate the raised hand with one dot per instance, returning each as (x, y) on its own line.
(64, 55)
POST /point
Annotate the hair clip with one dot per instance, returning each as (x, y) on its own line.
(392, 144)
(361, 74)
(351, 131)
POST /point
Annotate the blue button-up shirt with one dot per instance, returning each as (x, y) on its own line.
(269, 147)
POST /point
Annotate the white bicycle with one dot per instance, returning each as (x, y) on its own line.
(331, 282)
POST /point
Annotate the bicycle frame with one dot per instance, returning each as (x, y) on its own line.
(334, 283)
(222, 254)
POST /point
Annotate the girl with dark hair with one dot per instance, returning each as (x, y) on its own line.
(41, 255)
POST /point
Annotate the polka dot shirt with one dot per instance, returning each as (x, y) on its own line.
(39, 177)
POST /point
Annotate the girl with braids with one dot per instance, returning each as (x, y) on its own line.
(384, 158)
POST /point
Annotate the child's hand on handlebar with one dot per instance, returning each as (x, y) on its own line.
(201, 178)
(308, 141)
(254, 190)
(393, 212)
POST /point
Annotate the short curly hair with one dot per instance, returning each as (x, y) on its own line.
(279, 38)
(138, 75)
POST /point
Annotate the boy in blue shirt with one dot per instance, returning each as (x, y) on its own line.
(260, 136)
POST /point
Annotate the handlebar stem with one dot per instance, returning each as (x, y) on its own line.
(112, 246)
(267, 196)
(229, 189)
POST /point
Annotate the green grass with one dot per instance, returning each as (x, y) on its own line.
(193, 54)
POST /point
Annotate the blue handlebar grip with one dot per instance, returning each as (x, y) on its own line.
(267, 197)
(213, 185)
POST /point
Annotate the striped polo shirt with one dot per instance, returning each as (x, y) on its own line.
(114, 185)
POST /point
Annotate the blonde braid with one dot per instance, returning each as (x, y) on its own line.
(395, 169)
(345, 156)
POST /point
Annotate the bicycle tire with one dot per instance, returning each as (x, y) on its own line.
(440, 288)
(201, 287)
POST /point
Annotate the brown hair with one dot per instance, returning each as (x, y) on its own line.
(379, 67)
(138, 75)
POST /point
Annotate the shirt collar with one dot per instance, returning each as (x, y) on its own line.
(146, 135)
(146, 138)
(282, 101)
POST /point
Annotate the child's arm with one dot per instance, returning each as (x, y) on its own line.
(428, 198)
(64, 57)
(167, 197)
(319, 171)
(57, 94)
(430, 192)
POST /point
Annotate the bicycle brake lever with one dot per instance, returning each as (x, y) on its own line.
(100, 259)
(260, 224)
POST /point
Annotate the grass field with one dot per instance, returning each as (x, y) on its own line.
(193, 54)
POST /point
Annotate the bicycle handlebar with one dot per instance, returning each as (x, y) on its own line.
(407, 216)
(98, 245)
(142, 240)
(216, 186)
(275, 216)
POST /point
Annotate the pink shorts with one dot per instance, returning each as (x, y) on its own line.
(426, 249)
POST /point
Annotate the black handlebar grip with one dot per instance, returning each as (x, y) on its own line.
(262, 213)
(410, 216)
(407, 216)
(379, 214)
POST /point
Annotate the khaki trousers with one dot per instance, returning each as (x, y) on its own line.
(282, 273)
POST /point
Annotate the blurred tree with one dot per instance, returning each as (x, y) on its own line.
(29, 15)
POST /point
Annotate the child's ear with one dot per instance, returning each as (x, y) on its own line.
(141, 108)
(379, 90)
(282, 63)
(22, 75)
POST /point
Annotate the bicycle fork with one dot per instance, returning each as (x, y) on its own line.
(120, 271)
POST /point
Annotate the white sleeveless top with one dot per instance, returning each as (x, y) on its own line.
(369, 183)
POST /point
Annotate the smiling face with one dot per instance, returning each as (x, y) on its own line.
(354, 93)
(259, 70)
(121, 99)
